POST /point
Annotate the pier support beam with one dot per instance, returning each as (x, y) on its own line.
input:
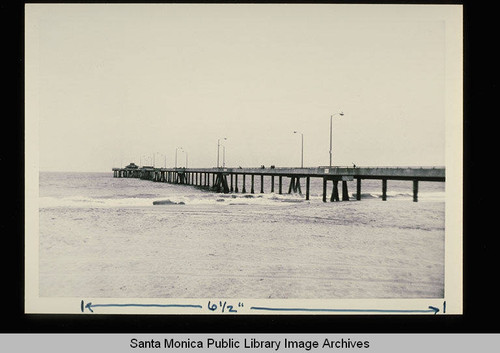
(384, 189)
(335, 191)
(308, 180)
(324, 189)
(221, 183)
(272, 183)
(358, 189)
(216, 185)
(243, 190)
(294, 185)
(236, 183)
(415, 190)
(280, 186)
(231, 188)
(251, 187)
(225, 186)
(345, 192)
(262, 183)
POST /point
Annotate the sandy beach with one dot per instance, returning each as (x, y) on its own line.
(356, 249)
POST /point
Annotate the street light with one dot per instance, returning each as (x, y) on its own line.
(177, 148)
(302, 153)
(223, 156)
(331, 118)
(218, 147)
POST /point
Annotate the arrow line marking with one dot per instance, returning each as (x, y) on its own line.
(431, 309)
(90, 305)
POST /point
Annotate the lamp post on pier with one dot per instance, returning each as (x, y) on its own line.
(302, 148)
(218, 148)
(331, 118)
(223, 156)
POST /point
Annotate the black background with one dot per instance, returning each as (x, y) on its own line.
(480, 252)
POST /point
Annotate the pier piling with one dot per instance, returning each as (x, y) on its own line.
(335, 191)
(307, 187)
(324, 189)
(294, 185)
(384, 189)
(345, 192)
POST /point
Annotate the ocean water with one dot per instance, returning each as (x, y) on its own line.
(103, 237)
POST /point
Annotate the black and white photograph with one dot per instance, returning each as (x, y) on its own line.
(243, 158)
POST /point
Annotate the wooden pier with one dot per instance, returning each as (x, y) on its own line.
(226, 179)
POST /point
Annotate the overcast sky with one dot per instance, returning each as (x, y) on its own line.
(111, 84)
